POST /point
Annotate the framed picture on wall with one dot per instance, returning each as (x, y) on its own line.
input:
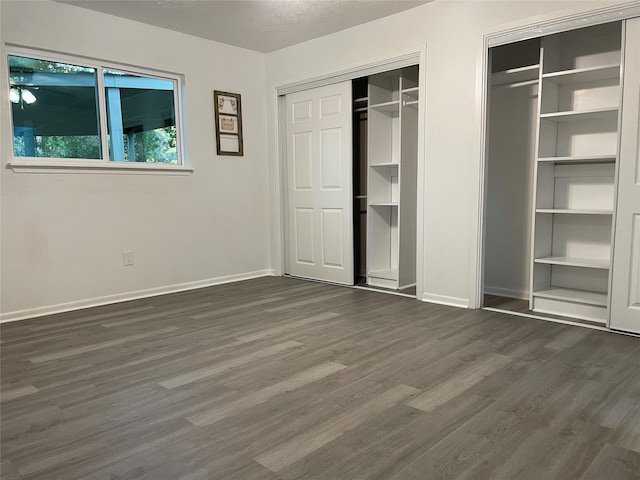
(228, 112)
(227, 124)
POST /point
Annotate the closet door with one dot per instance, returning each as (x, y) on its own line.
(319, 183)
(625, 290)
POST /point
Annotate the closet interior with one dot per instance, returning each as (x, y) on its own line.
(385, 140)
(553, 134)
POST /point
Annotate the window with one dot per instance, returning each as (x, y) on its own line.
(74, 112)
(141, 118)
(55, 109)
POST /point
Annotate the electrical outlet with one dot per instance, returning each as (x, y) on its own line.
(127, 258)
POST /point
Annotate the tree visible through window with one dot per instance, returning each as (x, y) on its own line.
(141, 118)
(155, 146)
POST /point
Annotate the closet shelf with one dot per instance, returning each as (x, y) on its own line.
(387, 274)
(593, 114)
(515, 75)
(410, 94)
(580, 159)
(384, 165)
(574, 262)
(384, 204)
(583, 75)
(574, 211)
(393, 106)
(576, 296)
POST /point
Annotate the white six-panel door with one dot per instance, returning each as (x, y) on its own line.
(319, 183)
(625, 289)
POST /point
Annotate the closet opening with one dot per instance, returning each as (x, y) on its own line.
(512, 116)
(350, 153)
(551, 174)
(385, 142)
(360, 110)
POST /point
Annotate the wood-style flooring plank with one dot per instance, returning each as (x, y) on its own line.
(307, 442)
(9, 472)
(296, 381)
(309, 300)
(18, 392)
(284, 329)
(614, 462)
(219, 367)
(70, 352)
(233, 308)
(456, 385)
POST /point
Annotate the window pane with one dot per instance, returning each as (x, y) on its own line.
(55, 109)
(141, 118)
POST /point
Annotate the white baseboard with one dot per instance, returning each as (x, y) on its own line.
(127, 296)
(446, 300)
(506, 292)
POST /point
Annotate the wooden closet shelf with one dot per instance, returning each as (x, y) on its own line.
(393, 106)
(387, 274)
(571, 295)
(580, 159)
(581, 115)
(384, 165)
(575, 262)
(574, 211)
(584, 75)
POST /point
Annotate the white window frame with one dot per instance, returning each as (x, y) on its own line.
(104, 164)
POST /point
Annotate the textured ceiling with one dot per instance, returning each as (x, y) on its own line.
(262, 25)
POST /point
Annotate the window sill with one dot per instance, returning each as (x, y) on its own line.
(95, 166)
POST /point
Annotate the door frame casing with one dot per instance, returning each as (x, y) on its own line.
(405, 58)
(504, 36)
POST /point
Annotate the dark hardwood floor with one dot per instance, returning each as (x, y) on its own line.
(277, 378)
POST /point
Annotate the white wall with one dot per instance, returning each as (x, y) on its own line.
(63, 235)
(453, 33)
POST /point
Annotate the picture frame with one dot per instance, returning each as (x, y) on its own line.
(227, 124)
(228, 117)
